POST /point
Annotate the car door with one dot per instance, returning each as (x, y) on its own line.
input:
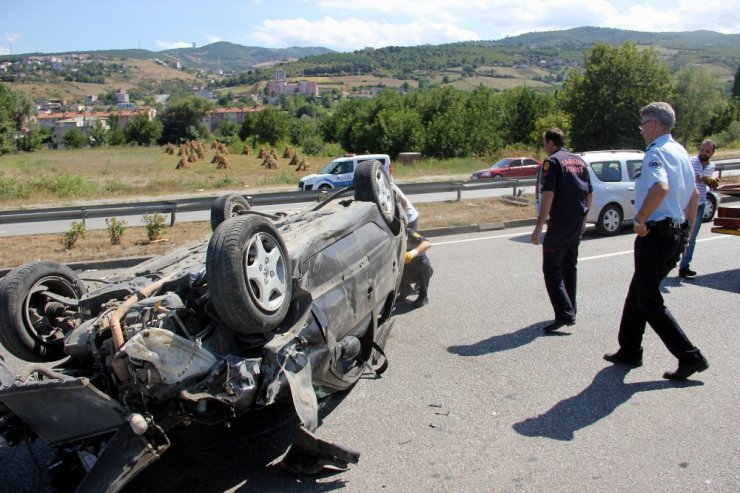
(529, 168)
(614, 186)
(514, 169)
(344, 174)
(631, 168)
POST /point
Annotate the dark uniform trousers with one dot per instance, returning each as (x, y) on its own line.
(559, 266)
(419, 271)
(654, 256)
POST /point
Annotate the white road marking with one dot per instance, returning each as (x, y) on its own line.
(580, 259)
(477, 239)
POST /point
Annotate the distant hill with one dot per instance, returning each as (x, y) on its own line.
(233, 57)
(224, 55)
(539, 60)
(584, 37)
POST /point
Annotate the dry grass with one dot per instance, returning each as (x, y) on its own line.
(96, 245)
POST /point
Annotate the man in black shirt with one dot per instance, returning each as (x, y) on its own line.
(565, 195)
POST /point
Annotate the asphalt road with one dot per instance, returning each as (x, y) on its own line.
(476, 398)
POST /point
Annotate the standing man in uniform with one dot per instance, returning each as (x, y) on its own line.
(566, 194)
(416, 270)
(666, 202)
(703, 169)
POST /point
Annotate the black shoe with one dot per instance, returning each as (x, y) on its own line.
(623, 358)
(695, 363)
(558, 324)
(686, 272)
(420, 301)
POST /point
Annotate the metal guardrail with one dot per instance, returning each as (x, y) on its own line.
(172, 207)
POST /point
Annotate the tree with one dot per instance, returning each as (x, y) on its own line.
(698, 96)
(181, 120)
(736, 84)
(14, 111)
(272, 126)
(143, 131)
(99, 135)
(604, 100)
(115, 135)
(521, 107)
(75, 139)
(227, 129)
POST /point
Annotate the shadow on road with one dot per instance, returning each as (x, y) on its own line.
(503, 342)
(606, 392)
(727, 280)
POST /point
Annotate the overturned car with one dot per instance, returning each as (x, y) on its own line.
(270, 308)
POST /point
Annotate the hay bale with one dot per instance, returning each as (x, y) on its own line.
(246, 150)
(294, 160)
(303, 166)
(223, 162)
(182, 164)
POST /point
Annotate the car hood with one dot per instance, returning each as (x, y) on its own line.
(309, 177)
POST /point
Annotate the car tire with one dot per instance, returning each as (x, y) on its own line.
(610, 220)
(226, 206)
(249, 274)
(497, 177)
(372, 184)
(324, 187)
(710, 208)
(26, 330)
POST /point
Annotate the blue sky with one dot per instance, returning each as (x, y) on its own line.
(343, 25)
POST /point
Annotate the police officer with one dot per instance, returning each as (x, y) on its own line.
(666, 202)
(565, 195)
(416, 270)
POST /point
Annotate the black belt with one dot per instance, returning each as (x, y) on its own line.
(667, 228)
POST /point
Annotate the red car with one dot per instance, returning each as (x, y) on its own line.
(510, 167)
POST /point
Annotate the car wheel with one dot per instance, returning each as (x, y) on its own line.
(610, 220)
(710, 207)
(248, 270)
(497, 177)
(30, 309)
(226, 206)
(324, 187)
(372, 184)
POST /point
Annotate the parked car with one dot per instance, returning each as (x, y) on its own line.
(510, 167)
(270, 308)
(339, 172)
(613, 178)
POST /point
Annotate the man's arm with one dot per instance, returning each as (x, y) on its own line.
(420, 248)
(654, 197)
(691, 209)
(545, 206)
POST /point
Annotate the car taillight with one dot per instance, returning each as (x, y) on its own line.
(390, 168)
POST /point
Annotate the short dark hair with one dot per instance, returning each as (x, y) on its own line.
(709, 141)
(555, 135)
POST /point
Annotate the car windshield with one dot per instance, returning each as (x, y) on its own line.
(329, 167)
(501, 164)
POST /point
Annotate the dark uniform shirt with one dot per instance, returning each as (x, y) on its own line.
(566, 175)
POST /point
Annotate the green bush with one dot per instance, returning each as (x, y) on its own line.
(115, 230)
(155, 225)
(76, 231)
